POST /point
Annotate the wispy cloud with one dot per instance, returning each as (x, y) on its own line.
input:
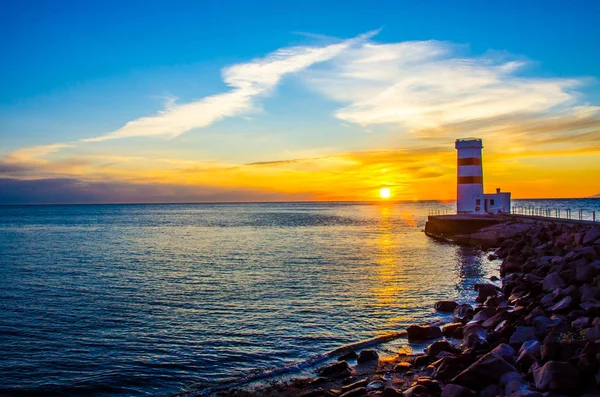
(426, 87)
(247, 81)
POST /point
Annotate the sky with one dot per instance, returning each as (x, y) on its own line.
(204, 101)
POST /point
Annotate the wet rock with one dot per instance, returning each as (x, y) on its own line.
(367, 355)
(334, 369)
(402, 367)
(451, 390)
(485, 371)
(493, 321)
(462, 312)
(359, 392)
(552, 282)
(421, 361)
(522, 334)
(427, 332)
(483, 315)
(440, 346)
(453, 330)
(474, 336)
(485, 290)
(415, 391)
(351, 355)
(446, 306)
(375, 385)
(556, 376)
(511, 381)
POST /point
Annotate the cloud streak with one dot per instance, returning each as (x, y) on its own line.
(247, 81)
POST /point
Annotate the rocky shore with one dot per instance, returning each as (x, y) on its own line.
(536, 334)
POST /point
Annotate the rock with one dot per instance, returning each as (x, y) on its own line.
(427, 332)
(451, 390)
(485, 371)
(526, 393)
(351, 355)
(552, 282)
(474, 336)
(415, 391)
(367, 355)
(421, 360)
(462, 312)
(355, 385)
(511, 381)
(485, 290)
(563, 304)
(375, 385)
(524, 361)
(359, 392)
(334, 369)
(453, 330)
(589, 293)
(449, 367)
(556, 376)
(440, 346)
(446, 306)
(318, 392)
(591, 236)
(505, 351)
(391, 392)
(402, 366)
(491, 391)
(522, 334)
(531, 347)
(581, 322)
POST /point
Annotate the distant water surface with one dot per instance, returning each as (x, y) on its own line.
(150, 300)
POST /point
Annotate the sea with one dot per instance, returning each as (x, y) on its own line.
(164, 299)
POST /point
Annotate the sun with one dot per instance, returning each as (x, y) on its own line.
(385, 193)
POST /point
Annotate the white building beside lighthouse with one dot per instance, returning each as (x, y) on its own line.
(470, 197)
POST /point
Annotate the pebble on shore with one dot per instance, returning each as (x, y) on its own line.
(537, 335)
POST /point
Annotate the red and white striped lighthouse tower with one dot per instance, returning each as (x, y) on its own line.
(470, 175)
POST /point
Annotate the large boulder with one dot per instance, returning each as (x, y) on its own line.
(556, 376)
(426, 332)
(483, 372)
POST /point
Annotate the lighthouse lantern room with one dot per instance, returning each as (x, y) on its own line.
(470, 197)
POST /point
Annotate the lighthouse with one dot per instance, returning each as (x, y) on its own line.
(469, 192)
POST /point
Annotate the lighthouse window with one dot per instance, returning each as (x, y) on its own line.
(478, 202)
(492, 202)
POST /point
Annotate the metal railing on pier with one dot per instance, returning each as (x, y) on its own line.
(441, 211)
(559, 213)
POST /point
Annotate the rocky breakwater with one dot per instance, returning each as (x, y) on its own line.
(537, 333)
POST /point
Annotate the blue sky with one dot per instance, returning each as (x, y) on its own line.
(74, 71)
